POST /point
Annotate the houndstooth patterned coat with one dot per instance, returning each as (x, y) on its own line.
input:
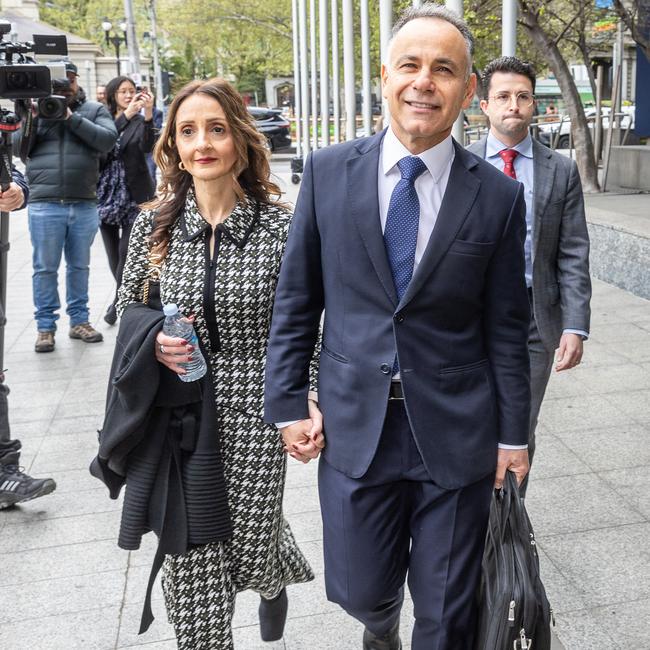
(231, 295)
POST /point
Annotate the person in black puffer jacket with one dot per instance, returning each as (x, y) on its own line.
(62, 165)
(125, 181)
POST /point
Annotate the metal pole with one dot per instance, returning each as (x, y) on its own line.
(314, 73)
(296, 77)
(116, 42)
(385, 27)
(458, 130)
(348, 71)
(324, 74)
(365, 69)
(610, 130)
(131, 41)
(157, 72)
(304, 76)
(598, 124)
(509, 27)
(617, 102)
(336, 79)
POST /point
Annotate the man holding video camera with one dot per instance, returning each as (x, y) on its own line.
(62, 164)
(15, 486)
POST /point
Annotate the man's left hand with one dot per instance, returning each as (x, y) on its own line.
(12, 198)
(569, 353)
(515, 460)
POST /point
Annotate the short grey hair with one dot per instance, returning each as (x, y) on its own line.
(432, 10)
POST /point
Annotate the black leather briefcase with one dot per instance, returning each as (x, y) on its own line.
(514, 612)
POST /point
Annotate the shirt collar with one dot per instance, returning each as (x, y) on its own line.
(494, 145)
(238, 226)
(436, 159)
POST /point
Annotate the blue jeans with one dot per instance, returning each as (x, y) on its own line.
(57, 228)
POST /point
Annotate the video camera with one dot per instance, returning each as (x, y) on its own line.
(23, 80)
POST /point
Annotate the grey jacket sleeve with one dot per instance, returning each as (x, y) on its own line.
(573, 258)
(99, 134)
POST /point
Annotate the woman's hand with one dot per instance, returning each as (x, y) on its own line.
(136, 105)
(147, 102)
(172, 351)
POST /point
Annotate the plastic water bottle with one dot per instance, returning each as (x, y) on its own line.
(177, 326)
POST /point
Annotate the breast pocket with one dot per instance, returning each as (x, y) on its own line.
(475, 248)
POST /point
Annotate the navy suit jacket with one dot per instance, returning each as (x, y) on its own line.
(460, 330)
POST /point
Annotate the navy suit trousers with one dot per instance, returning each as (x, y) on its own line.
(395, 520)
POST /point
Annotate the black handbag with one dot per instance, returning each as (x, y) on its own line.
(514, 612)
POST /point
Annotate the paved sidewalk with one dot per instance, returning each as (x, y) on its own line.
(65, 584)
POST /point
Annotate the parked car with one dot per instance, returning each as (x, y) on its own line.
(548, 132)
(273, 125)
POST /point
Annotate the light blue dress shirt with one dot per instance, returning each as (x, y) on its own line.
(524, 171)
(523, 165)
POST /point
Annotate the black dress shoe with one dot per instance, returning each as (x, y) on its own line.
(388, 641)
(273, 616)
(111, 315)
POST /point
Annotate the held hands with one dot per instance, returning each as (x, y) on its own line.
(143, 99)
(12, 198)
(304, 439)
(515, 460)
(171, 351)
(569, 354)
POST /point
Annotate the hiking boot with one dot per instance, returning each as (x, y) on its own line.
(86, 333)
(44, 342)
(16, 487)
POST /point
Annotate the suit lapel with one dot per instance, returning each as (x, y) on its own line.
(543, 178)
(362, 171)
(459, 197)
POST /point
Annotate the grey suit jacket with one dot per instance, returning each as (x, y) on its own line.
(561, 282)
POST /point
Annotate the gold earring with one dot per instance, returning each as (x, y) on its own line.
(181, 166)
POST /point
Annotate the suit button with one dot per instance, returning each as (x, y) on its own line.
(399, 317)
(385, 368)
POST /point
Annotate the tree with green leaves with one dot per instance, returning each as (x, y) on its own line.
(548, 22)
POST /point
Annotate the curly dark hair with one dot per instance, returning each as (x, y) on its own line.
(506, 64)
(111, 91)
(251, 172)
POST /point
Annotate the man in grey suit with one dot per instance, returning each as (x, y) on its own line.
(557, 241)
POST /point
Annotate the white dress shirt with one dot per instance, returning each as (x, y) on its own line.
(430, 185)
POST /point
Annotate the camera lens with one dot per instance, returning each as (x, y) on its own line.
(52, 108)
(18, 80)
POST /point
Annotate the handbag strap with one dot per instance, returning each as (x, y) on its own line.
(154, 267)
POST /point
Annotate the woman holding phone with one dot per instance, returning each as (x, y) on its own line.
(125, 181)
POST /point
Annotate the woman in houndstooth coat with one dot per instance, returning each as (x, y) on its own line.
(222, 238)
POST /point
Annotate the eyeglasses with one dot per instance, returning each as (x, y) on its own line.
(523, 100)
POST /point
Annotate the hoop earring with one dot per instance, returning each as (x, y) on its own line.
(181, 166)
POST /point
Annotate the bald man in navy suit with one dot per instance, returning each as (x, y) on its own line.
(413, 250)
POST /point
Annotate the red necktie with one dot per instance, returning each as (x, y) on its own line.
(508, 156)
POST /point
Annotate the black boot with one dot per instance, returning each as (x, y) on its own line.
(273, 616)
(111, 315)
(388, 641)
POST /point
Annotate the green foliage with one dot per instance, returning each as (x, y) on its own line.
(248, 40)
